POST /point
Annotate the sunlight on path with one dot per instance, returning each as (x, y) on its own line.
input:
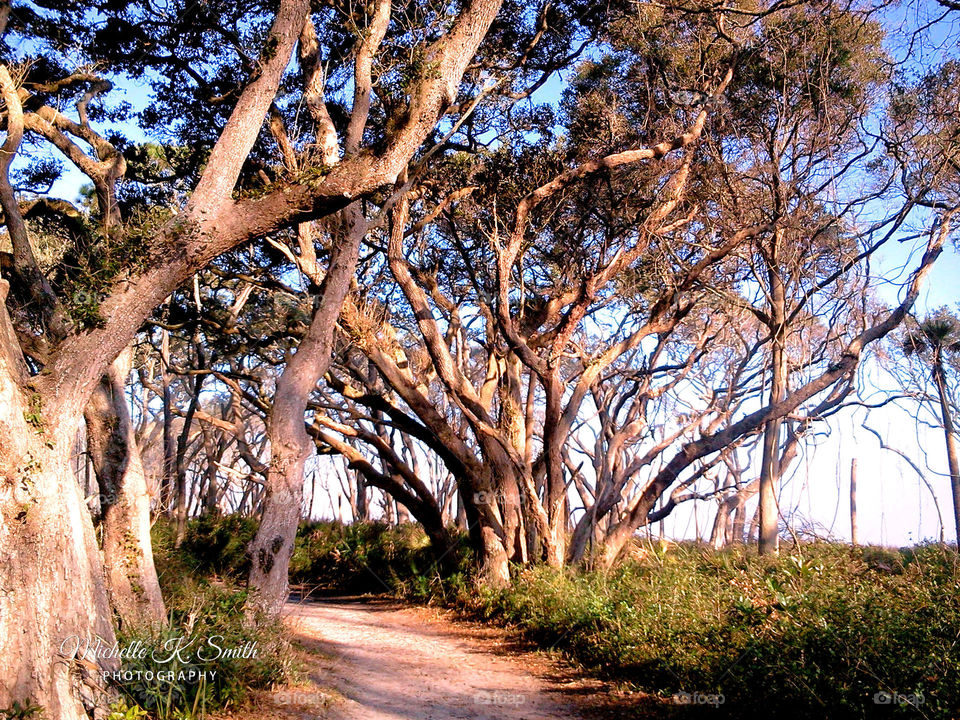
(393, 665)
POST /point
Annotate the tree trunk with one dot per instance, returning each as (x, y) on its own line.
(494, 563)
(168, 476)
(51, 572)
(127, 552)
(363, 512)
(769, 514)
(273, 545)
(854, 540)
(952, 462)
(721, 522)
(555, 541)
(182, 510)
(290, 445)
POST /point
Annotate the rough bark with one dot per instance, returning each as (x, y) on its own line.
(50, 570)
(127, 552)
(290, 445)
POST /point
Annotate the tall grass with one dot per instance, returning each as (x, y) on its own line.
(830, 632)
(223, 656)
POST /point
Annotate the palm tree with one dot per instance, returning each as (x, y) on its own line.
(931, 339)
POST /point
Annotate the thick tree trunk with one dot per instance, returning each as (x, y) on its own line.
(613, 545)
(513, 422)
(721, 522)
(486, 542)
(54, 593)
(494, 563)
(127, 552)
(583, 535)
(51, 573)
(273, 545)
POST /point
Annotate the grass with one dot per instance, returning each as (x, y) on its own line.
(209, 657)
(827, 632)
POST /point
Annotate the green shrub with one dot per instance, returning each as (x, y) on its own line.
(212, 546)
(329, 557)
(16, 711)
(205, 620)
(122, 711)
(223, 656)
(813, 635)
(374, 558)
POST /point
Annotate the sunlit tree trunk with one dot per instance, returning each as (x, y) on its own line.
(769, 514)
(50, 566)
(290, 445)
(127, 552)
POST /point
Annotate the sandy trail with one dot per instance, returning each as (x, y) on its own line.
(394, 663)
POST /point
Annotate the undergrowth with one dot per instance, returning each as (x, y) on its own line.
(209, 656)
(824, 631)
(830, 631)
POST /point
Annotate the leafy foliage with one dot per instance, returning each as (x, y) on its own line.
(820, 631)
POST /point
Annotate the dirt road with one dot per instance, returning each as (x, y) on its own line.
(392, 663)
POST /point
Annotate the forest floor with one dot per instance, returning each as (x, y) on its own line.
(379, 660)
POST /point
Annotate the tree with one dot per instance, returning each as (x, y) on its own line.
(932, 339)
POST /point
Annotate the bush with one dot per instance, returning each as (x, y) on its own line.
(374, 558)
(822, 633)
(222, 656)
(363, 558)
(212, 546)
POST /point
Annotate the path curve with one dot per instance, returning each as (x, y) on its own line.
(394, 663)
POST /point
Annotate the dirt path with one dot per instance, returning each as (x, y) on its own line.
(392, 663)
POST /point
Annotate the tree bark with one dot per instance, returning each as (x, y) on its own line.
(769, 540)
(127, 552)
(290, 445)
(939, 378)
(50, 567)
